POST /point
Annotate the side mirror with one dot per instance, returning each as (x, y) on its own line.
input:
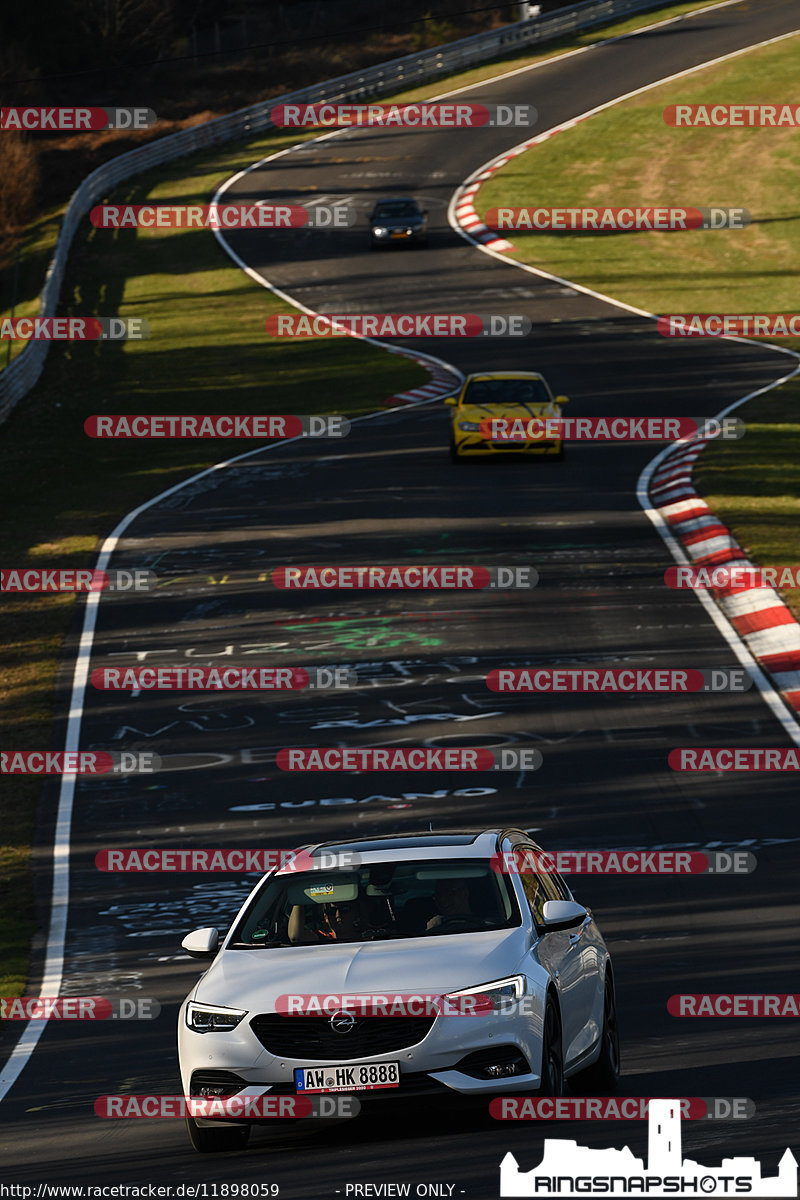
(451, 400)
(562, 914)
(562, 399)
(424, 212)
(201, 943)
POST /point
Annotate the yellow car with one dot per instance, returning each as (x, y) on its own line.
(516, 404)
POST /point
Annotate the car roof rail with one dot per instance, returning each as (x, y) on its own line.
(504, 833)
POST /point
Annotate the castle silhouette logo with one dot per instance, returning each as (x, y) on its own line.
(568, 1169)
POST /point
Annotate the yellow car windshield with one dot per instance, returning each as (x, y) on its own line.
(506, 391)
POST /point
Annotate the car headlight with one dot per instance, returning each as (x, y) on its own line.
(409, 232)
(212, 1018)
(469, 426)
(379, 231)
(501, 994)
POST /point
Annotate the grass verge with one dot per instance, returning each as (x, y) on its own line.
(752, 483)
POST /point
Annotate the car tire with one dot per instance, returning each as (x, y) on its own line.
(207, 1140)
(553, 1082)
(603, 1075)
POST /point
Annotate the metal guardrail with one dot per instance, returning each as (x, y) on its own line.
(396, 75)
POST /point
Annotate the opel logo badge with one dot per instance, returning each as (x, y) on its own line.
(343, 1022)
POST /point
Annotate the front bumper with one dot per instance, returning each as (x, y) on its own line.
(436, 1063)
(476, 448)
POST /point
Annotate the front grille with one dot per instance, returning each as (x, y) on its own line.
(312, 1039)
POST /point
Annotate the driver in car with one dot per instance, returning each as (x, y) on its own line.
(342, 922)
(452, 901)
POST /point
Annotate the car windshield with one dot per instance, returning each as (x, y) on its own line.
(374, 902)
(395, 208)
(506, 391)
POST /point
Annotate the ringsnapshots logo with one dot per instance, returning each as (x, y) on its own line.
(74, 329)
(614, 220)
(63, 579)
(75, 120)
(459, 115)
(400, 325)
(569, 1170)
(619, 680)
(221, 679)
(223, 216)
(225, 426)
(79, 762)
(404, 578)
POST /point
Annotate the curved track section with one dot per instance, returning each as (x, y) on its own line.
(390, 494)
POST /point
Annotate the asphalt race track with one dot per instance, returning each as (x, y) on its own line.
(389, 493)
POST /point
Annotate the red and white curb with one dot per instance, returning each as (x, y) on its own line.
(443, 382)
(462, 204)
(759, 616)
(757, 625)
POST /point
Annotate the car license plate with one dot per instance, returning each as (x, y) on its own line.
(365, 1077)
(399, 235)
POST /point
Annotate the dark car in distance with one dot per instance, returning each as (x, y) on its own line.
(398, 220)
